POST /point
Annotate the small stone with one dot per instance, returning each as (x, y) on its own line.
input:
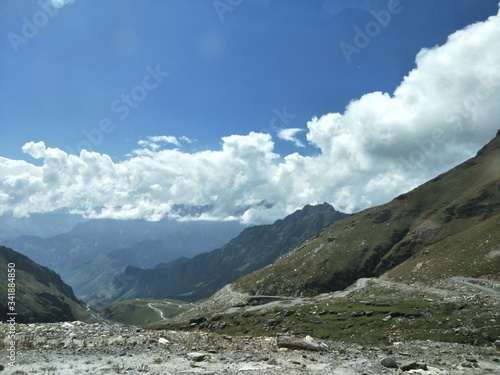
(308, 343)
(389, 362)
(197, 320)
(163, 341)
(387, 318)
(196, 357)
(249, 368)
(414, 366)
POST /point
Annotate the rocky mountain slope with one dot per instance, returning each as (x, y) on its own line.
(93, 252)
(446, 227)
(38, 294)
(199, 277)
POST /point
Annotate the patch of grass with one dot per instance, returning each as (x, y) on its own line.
(365, 321)
(142, 312)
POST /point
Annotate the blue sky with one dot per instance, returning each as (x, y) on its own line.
(226, 75)
(262, 66)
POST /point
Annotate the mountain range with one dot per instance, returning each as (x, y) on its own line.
(42, 225)
(199, 277)
(444, 229)
(93, 252)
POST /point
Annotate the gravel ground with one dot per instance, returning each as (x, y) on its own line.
(79, 348)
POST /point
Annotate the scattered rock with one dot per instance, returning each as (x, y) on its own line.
(163, 341)
(308, 343)
(197, 320)
(99, 349)
(196, 357)
(414, 366)
(389, 362)
(467, 365)
(249, 368)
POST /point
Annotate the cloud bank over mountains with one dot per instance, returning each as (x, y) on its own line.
(382, 145)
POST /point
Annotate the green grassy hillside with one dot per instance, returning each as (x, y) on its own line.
(446, 227)
(140, 312)
(40, 294)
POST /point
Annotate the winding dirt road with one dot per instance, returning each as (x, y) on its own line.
(157, 310)
(468, 281)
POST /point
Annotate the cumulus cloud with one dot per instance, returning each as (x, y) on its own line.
(382, 145)
(154, 141)
(289, 135)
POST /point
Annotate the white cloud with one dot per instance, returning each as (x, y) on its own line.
(289, 135)
(153, 142)
(382, 145)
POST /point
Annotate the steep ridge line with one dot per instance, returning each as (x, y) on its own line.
(443, 228)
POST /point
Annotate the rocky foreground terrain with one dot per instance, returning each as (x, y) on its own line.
(100, 348)
(376, 342)
(105, 348)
